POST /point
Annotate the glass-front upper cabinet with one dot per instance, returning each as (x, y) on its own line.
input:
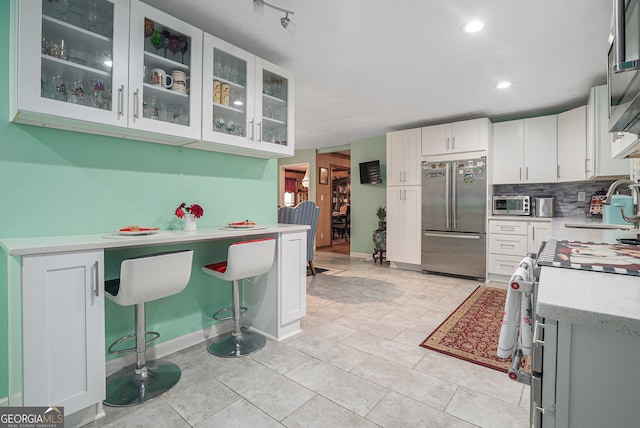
(247, 106)
(70, 64)
(228, 94)
(165, 73)
(275, 108)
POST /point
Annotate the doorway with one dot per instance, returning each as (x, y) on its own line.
(294, 185)
(340, 209)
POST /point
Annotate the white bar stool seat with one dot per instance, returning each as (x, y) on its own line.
(245, 260)
(143, 279)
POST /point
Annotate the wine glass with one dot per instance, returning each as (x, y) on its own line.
(63, 8)
(174, 44)
(165, 36)
(183, 46)
(155, 40)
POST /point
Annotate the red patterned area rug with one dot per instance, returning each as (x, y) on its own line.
(471, 332)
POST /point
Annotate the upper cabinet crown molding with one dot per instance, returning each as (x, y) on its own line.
(76, 74)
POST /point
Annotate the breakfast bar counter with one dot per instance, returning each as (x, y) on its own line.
(56, 307)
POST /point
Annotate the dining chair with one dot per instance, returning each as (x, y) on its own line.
(306, 212)
(343, 227)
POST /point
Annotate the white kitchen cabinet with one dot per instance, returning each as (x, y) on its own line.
(63, 350)
(572, 145)
(404, 205)
(403, 158)
(525, 151)
(511, 240)
(152, 108)
(73, 72)
(600, 162)
(456, 137)
(257, 116)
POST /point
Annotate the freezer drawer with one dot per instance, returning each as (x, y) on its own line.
(454, 253)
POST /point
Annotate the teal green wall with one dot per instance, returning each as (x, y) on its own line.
(366, 198)
(59, 183)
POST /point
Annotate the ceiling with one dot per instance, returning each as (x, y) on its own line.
(366, 67)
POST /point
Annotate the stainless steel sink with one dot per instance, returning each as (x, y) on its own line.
(599, 226)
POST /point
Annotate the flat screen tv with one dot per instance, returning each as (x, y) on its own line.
(370, 172)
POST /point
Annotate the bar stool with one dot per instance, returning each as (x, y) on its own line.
(143, 279)
(244, 260)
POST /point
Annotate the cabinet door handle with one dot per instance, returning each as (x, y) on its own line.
(447, 143)
(97, 275)
(253, 130)
(586, 165)
(259, 135)
(526, 173)
(120, 101)
(405, 178)
(533, 234)
(536, 326)
(507, 228)
(520, 173)
(453, 143)
(537, 410)
(136, 109)
(558, 171)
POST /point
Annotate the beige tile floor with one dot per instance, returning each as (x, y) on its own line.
(356, 363)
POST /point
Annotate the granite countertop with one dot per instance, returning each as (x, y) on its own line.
(604, 300)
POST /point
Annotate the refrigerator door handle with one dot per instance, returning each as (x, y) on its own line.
(448, 194)
(454, 208)
(451, 235)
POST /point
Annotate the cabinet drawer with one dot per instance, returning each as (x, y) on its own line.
(508, 227)
(508, 244)
(501, 264)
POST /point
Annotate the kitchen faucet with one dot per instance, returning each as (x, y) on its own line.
(635, 218)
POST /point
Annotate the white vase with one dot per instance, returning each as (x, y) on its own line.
(190, 223)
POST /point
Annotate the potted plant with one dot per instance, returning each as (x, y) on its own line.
(381, 212)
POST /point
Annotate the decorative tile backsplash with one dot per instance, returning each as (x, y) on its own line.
(566, 194)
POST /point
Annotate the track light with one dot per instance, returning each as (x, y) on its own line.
(258, 9)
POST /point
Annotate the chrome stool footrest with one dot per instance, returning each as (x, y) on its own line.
(230, 317)
(131, 336)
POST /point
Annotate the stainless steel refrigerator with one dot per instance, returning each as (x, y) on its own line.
(454, 207)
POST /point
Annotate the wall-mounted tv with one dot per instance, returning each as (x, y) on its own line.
(370, 172)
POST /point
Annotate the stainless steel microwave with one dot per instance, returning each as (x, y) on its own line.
(511, 205)
(623, 71)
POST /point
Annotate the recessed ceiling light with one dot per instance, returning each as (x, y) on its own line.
(473, 26)
(503, 85)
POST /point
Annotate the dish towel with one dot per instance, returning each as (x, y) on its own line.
(515, 310)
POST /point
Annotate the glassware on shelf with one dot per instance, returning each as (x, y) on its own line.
(59, 87)
(230, 126)
(77, 95)
(219, 124)
(164, 40)
(183, 46)
(63, 8)
(91, 15)
(148, 28)
(98, 98)
(156, 41)
(174, 44)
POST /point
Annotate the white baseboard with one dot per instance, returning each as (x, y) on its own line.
(4, 402)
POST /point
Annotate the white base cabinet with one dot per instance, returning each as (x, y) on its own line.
(63, 351)
(511, 240)
(404, 240)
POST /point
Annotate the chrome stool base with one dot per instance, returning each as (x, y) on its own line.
(232, 345)
(131, 387)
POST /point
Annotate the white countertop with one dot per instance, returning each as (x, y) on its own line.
(597, 299)
(58, 244)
